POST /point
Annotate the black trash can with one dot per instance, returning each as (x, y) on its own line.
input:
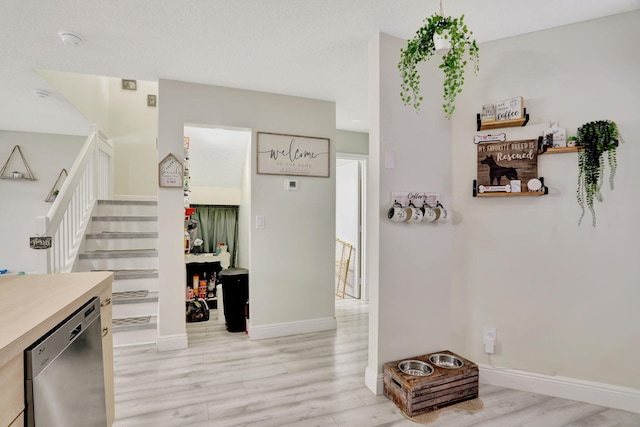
(235, 294)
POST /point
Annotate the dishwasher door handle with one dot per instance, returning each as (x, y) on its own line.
(74, 333)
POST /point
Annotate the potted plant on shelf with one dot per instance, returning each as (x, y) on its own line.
(595, 138)
(423, 46)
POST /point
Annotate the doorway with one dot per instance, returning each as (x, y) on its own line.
(218, 185)
(350, 217)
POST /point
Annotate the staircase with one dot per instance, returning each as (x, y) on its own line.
(123, 238)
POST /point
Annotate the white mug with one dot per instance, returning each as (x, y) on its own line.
(397, 213)
(416, 214)
(429, 213)
(441, 211)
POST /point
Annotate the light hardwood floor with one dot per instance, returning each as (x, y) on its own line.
(312, 380)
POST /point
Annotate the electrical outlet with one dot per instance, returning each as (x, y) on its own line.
(489, 339)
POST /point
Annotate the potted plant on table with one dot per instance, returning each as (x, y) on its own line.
(595, 138)
(435, 29)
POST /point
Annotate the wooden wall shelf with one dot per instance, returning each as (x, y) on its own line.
(498, 124)
(542, 192)
(545, 149)
(549, 150)
(520, 194)
(24, 178)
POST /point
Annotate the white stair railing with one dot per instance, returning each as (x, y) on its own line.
(90, 179)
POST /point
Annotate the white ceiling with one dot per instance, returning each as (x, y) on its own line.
(310, 48)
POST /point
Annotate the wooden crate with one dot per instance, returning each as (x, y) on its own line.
(416, 395)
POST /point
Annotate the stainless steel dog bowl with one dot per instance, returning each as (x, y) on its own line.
(446, 361)
(415, 367)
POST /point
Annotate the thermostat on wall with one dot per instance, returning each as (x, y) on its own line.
(291, 184)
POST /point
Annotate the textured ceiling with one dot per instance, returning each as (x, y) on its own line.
(311, 48)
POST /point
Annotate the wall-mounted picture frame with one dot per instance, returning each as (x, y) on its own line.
(170, 172)
(151, 100)
(501, 163)
(282, 154)
(129, 84)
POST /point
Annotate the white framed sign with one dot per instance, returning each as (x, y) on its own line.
(170, 172)
(280, 154)
(510, 109)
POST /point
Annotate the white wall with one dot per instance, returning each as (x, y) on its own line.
(88, 94)
(408, 265)
(215, 195)
(292, 257)
(124, 116)
(133, 128)
(352, 142)
(217, 159)
(23, 201)
(564, 299)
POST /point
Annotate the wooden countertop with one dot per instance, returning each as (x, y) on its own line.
(31, 305)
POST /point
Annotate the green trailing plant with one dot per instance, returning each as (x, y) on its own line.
(421, 48)
(595, 138)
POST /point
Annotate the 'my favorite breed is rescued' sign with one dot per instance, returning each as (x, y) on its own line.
(499, 163)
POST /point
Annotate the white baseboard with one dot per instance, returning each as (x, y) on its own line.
(374, 381)
(610, 396)
(275, 330)
(172, 342)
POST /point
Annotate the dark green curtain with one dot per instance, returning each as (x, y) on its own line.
(217, 224)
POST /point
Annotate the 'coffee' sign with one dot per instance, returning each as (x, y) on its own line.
(510, 109)
(40, 242)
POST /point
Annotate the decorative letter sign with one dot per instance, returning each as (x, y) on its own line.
(500, 163)
(510, 109)
(170, 172)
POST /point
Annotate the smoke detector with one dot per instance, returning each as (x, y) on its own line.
(70, 39)
(40, 93)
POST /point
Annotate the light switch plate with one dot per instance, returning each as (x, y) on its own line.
(389, 159)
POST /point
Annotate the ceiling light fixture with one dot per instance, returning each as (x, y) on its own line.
(41, 93)
(70, 39)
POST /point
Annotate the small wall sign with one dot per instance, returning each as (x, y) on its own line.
(415, 197)
(510, 109)
(170, 172)
(557, 136)
(502, 137)
(40, 242)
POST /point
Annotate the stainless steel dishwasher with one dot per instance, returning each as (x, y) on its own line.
(64, 374)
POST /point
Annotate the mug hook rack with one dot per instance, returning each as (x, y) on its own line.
(416, 207)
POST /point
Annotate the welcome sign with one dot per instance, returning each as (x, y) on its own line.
(292, 155)
(499, 163)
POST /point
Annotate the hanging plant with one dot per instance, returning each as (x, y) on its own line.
(595, 138)
(421, 48)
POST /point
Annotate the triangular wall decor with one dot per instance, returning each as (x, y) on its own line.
(17, 175)
(53, 193)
